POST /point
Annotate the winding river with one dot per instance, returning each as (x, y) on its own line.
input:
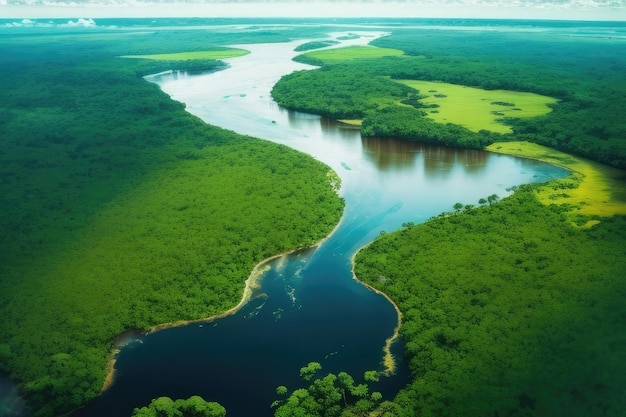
(308, 307)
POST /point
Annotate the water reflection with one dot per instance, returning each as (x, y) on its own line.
(390, 154)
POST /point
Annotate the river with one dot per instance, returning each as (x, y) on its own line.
(309, 307)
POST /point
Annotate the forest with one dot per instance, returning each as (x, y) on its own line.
(507, 309)
(586, 75)
(122, 211)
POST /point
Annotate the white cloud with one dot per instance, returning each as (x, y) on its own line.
(28, 23)
(508, 9)
(85, 23)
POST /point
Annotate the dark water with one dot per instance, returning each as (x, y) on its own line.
(309, 307)
(11, 402)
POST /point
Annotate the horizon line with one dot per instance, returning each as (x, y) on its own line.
(310, 10)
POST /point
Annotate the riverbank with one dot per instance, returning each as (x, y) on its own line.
(389, 361)
(251, 284)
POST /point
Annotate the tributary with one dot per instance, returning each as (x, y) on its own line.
(309, 307)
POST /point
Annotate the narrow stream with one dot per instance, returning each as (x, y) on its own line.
(309, 307)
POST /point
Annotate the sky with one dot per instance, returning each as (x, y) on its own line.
(501, 9)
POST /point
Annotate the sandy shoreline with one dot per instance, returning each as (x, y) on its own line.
(388, 359)
(251, 284)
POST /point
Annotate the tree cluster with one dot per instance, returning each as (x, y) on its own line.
(410, 124)
(507, 310)
(339, 92)
(332, 396)
(191, 407)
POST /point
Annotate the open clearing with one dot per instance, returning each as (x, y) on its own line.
(478, 109)
(352, 52)
(185, 56)
(593, 189)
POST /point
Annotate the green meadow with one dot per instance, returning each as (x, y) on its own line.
(221, 53)
(478, 109)
(333, 55)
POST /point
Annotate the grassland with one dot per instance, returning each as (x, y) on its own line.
(478, 109)
(351, 53)
(593, 189)
(221, 53)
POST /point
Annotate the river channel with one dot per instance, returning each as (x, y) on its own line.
(309, 307)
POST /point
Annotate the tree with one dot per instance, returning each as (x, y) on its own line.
(493, 198)
(371, 376)
(458, 206)
(308, 372)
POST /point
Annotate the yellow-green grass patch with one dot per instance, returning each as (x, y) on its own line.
(351, 122)
(478, 109)
(593, 189)
(352, 52)
(186, 56)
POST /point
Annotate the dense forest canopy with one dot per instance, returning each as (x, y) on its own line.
(508, 309)
(120, 210)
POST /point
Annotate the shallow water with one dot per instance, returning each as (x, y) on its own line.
(309, 307)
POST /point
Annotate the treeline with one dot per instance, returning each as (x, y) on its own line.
(507, 310)
(410, 124)
(147, 67)
(587, 76)
(120, 210)
(307, 46)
